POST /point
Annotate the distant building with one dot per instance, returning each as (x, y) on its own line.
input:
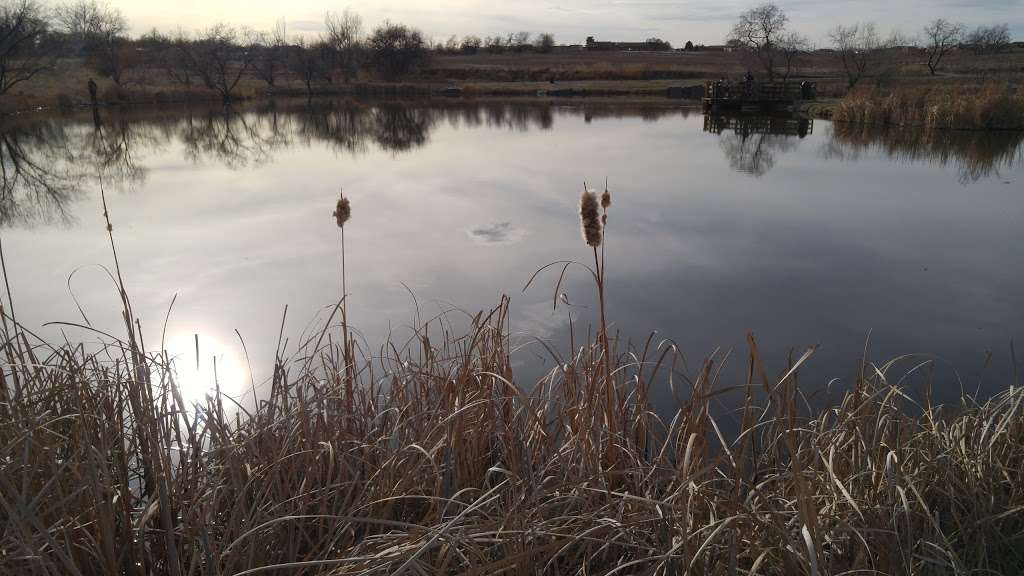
(600, 46)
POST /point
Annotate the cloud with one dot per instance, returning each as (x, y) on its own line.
(705, 21)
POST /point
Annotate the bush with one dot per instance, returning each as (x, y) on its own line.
(397, 49)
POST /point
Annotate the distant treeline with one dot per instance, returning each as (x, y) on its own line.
(765, 41)
(33, 37)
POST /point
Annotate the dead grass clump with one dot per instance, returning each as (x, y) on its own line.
(989, 108)
(438, 463)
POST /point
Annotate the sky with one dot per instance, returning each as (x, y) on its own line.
(700, 21)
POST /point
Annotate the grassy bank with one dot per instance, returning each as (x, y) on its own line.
(578, 74)
(990, 107)
(430, 457)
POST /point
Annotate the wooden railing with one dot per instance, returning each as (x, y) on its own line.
(758, 91)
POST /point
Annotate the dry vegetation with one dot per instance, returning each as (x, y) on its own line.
(431, 458)
(582, 73)
(990, 107)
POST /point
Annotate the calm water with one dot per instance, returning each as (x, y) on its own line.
(805, 233)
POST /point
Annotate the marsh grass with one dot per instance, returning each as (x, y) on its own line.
(435, 459)
(989, 107)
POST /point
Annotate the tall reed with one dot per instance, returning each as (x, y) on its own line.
(450, 465)
(342, 214)
(991, 107)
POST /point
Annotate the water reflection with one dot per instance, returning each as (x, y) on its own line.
(752, 142)
(975, 155)
(45, 162)
(458, 203)
(38, 173)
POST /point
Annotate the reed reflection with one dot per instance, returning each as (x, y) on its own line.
(976, 155)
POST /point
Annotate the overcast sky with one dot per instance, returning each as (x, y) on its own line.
(702, 21)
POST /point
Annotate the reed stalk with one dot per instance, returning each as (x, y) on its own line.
(456, 467)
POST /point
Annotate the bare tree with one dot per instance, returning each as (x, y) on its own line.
(22, 27)
(100, 32)
(792, 48)
(218, 58)
(177, 60)
(495, 44)
(760, 31)
(519, 42)
(310, 61)
(861, 50)
(941, 37)
(451, 46)
(345, 38)
(271, 53)
(471, 45)
(544, 43)
(82, 19)
(990, 39)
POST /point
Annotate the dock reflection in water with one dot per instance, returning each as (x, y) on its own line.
(752, 142)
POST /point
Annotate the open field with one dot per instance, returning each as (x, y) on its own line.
(909, 65)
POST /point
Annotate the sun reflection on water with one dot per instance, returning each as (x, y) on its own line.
(200, 370)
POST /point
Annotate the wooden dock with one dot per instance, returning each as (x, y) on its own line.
(753, 96)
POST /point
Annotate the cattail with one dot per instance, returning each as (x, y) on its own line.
(590, 218)
(606, 201)
(342, 211)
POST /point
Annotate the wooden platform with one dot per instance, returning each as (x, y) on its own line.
(754, 96)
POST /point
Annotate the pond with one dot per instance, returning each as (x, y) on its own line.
(804, 232)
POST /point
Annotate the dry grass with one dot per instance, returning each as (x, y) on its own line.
(990, 107)
(586, 73)
(431, 458)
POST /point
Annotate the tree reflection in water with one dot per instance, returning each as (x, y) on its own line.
(976, 155)
(751, 142)
(38, 175)
(46, 162)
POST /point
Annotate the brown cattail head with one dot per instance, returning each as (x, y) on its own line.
(606, 198)
(342, 211)
(590, 219)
